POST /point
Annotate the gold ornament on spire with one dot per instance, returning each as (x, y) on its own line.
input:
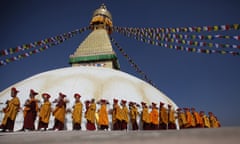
(102, 18)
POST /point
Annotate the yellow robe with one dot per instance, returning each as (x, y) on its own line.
(77, 113)
(90, 115)
(116, 113)
(163, 117)
(181, 119)
(193, 122)
(125, 114)
(60, 111)
(103, 115)
(11, 110)
(206, 121)
(213, 122)
(154, 116)
(172, 116)
(45, 112)
(133, 113)
(145, 116)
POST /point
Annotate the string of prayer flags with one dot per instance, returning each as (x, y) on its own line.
(45, 44)
(172, 38)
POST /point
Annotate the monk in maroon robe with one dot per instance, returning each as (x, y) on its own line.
(31, 109)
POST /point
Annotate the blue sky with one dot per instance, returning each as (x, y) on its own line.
(206, 82)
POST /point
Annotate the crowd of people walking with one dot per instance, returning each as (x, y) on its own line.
(123, 116)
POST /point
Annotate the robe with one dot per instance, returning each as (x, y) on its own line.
(10, 113)
(189, 119)
(133, 117)
(77, 113)
(163, 116)
(171, 119)
(146, 120)
(181, 119)
(90, 116)
(45, 112)
(44, 115)
(103, 115)
(197, 118)
(59, 114)
(154, 118)
(116, 117)
(30, 115)
(124, 116)
(77, 116)
(213, 122)
(206, 122)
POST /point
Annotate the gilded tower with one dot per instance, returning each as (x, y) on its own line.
(96, 49)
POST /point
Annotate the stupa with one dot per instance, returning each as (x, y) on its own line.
(94, 73)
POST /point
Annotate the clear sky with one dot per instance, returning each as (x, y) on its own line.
(206, 82)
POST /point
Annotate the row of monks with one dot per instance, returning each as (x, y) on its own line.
(122, 115)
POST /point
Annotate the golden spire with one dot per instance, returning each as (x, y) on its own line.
(97, 49)
(102, 18)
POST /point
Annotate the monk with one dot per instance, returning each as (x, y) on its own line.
(31, 109)
(103, 115)
(133, 115)
(87, 105)
(214, 123)
(189, 118)
(196, 118)
(90, 115)
(59, 113)
(77, 112)
(163, 117)
(145, 117)
(181, 118)
(205, 119)
(124, 113)
(10, 111)
(154, 117)
(218, 122)
(45, 112)
(116, 115)
(171, 118)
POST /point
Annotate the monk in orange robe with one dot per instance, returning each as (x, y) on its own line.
(154, 117)
(196, 118)
(116, 115)
(163, 117)
(133, 115)
(31, 109)
(103, 115)
(77, 113)
(146, 121)
(189, 118)
(124, 113)
(45, 112)
(171, 118)
(10, 112)
(59, 113)
(90, 115)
